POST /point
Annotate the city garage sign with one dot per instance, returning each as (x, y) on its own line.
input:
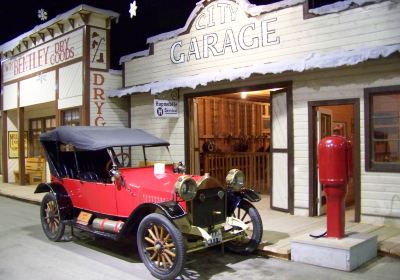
(221, 31)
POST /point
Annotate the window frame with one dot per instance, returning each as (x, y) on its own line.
(369, 93)
(70, 122)
(43, 128)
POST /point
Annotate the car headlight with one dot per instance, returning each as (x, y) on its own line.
(235, 179)
(186, 187)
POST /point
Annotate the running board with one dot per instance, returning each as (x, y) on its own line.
(90, 229)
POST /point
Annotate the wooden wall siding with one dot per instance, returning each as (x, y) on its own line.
(368, 26)
(280, 180)
(329, 84)
(70, 86)
(103, 110)
(255, 166)
(47, 52)
(10, 99)
(170, 129)
(229, 122)
(12, 125)
(38, 89)
(378, 190)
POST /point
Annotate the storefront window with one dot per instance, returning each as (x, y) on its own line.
(37, 127)
(383, 129)
(71, 117)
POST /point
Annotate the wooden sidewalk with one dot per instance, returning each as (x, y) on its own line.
(280, 228)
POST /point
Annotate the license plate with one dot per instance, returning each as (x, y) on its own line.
(216, 238)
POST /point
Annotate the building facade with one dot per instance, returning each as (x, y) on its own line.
(256, 87)
(56, 74)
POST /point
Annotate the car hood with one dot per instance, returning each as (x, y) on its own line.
(145, 179)
(148, 182)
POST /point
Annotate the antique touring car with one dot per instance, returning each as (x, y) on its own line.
(94, 188)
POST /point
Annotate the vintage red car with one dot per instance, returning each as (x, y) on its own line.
(95, 188)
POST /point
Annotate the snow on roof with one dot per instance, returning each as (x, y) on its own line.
(14, 42)
(129, 57)
(250, 9)
(341, 6)
(308, 62)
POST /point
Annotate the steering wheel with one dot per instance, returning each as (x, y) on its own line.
(122, 160)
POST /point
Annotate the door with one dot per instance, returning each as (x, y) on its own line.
(93, 196)
(280, 190)
(194, 137)
(324, 129)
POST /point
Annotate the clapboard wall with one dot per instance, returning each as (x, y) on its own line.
(368, 26)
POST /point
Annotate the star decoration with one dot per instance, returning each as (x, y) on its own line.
(41, 78)
(42, 14)
(132, 10)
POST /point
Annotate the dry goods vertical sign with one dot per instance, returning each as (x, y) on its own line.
(165, 108)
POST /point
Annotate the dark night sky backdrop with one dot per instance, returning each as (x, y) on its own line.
(128, 36)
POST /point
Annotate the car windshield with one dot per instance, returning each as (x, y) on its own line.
(140, 156)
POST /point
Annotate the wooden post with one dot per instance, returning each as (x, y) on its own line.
(21, 146)
(4, 147)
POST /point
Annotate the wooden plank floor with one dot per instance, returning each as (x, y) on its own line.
(280, 228)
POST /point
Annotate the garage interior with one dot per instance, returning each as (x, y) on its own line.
(232, 131)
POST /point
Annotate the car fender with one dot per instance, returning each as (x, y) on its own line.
(171, 209)
(64, 201)
(235, 198)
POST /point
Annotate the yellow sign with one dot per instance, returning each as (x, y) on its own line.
(13, 144)
(84, 218)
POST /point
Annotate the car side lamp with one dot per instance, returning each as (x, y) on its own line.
(235, 179)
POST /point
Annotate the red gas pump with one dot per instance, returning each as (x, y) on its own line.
(335, 164)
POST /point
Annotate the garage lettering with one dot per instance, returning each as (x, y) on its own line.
(246, 37)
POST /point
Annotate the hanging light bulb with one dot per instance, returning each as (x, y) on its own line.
(243, 95)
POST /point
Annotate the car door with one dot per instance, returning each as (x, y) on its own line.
(99, 197)
(92, 196)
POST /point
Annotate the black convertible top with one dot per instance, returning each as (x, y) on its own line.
(96, 138)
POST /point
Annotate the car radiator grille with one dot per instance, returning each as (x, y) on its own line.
(208, 208)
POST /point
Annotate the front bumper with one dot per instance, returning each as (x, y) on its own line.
(232, 229)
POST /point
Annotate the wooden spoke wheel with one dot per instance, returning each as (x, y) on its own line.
(161, 246)
(50, 218)
(249, 242)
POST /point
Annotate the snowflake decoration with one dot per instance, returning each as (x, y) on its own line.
(132, 10)
(42, 14)
(41, 78)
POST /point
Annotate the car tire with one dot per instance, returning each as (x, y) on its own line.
(161, 246)
(50, 218)
(247, 213)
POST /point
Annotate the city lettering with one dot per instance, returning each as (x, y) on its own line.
(247, 37)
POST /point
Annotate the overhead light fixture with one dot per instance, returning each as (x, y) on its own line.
(275, 89)
(243, 95)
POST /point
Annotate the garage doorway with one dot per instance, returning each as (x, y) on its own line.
(334, 117)
(232, 130)
(247, 128)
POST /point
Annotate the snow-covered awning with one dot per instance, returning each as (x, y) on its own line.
(10, 45)
(309, 62)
